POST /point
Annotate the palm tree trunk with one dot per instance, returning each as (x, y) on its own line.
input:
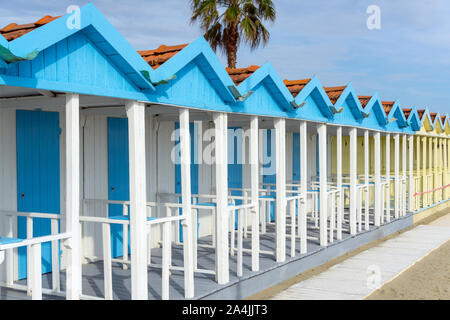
(232, 49)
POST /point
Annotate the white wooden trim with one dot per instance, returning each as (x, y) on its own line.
(397, 175)
(72, 209)
(411, 174)
(366, 179)
(254, 163)
(388, 177)
(280, 204)
(340, 214)
(323, 193)
(188, 246)
(378, 199)
(302, 213)
(138, 195)
(353, 179)
(222, 262)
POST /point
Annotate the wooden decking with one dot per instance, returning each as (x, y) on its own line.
(250, 283)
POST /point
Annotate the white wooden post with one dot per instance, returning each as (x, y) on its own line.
(411, 173)
(418, 171)
(188, 246)
(138, 200)
(366, 179)
(55, 257)
(424, 172)
(378, 198)
(166, 258)
(397, 175)
(388, 177)
(280, 213)
(323, 181)
(303, 186)
(222, 263)
(72, 209)
(239, 242)
(404, 168)
(107, 264)
(10, 253)
(254, 163)
(353, 180)
(340, 214)
(435, 171)
(37, 272)
(29, 255)
(445, 169)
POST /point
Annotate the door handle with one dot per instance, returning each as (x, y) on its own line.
(112, 188)
(22, 195)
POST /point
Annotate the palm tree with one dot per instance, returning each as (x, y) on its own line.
(228, 22)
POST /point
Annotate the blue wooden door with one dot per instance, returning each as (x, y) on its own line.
(235, 164)
(194, 170)
(38, 174)
(118, 177)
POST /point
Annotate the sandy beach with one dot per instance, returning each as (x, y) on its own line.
(427, 279)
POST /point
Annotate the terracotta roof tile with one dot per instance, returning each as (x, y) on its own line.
(421, 112)
(155, 58)
(364, 100)
(407, 112)
(334, 93)
(13, 30)
(387, 106)
(238, 75)
(295, 86)
(433, 116)
(443, 119)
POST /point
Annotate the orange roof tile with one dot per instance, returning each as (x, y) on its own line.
(364, 100)
(13, 30)
(433, 116)
(421, 112)
(443, 119)
(407, 112)
(387, 106)
(238, 75)
(334, 93)
(155, 58)
(295, 86)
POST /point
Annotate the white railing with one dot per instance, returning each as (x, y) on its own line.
(33, 245)
(164, 222)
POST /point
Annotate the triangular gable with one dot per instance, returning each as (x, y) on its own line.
(348, 100)
(446, 123)
(373, 108)
(413, 119)
(99, 31)
(200, 53)
(437, 122)
(425, 120)
(396, 120)
(267, 75)
(312, 98)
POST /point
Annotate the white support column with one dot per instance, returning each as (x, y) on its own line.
(425, 172)
(339, 183)
(280, 213)
(388, 177)
(397, 175)
(378, 197)
(411, 173)
(353, 180)
(254, 163)
(138, 200)
(323, 181)
(366, 179)
(445, 194)
(222, 263)
(418, 171)
(72, 209)
(188, 246)
(303, 187)
(404, 174)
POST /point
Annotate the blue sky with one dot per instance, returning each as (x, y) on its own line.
(407, 59)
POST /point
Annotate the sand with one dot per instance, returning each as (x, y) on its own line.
(427, 279)
(432, 280)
